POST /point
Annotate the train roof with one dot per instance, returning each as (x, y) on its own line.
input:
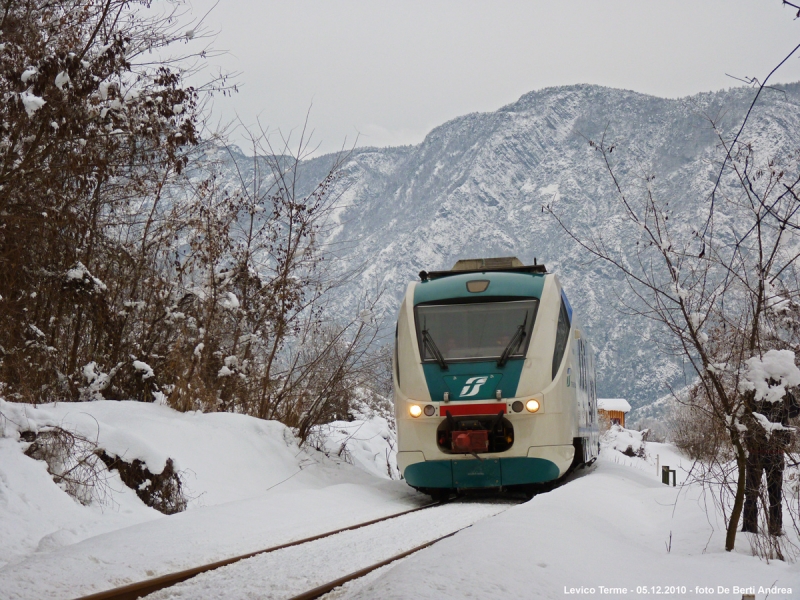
(506, 264)
(502, 282)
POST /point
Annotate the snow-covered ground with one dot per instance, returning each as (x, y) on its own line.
(301, 568)
(251, 487)
(614, 531)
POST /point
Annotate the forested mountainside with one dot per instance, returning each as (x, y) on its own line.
(476, 185)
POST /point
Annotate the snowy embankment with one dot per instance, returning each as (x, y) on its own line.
(616, 526)
(248, 483)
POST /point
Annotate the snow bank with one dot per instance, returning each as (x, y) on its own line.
(626, 441)
(369, 444)
(368, 441)
(616, 526)
(249, 485)
(37, 516)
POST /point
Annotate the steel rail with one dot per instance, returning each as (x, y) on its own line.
(332, 585)
(139, 589)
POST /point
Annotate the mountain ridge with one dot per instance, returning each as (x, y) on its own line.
(475, 186)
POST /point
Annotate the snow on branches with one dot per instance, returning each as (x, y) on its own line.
(770, 375)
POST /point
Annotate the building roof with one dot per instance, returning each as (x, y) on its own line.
(613, 404)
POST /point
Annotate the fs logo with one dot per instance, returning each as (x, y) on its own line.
(472, 387)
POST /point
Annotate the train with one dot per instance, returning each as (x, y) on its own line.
(494, 380)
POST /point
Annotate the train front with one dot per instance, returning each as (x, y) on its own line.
(482, 389)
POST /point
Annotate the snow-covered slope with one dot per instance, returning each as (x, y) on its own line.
(248, 483)
(616, 532)
(475, 187)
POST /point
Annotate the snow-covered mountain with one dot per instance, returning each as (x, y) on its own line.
(475, 187)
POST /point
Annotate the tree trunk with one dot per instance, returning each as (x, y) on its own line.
(738, 501)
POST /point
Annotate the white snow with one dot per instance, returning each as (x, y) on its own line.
(143, 368)
(230, 301)
(103, 89)
(80, 273)
(31, 102)
(369, 444)
(296, 570)
(249, 484)
(62, 79)
(616, 526)
(28, 73)
(768, 425)
(626, 441)
(38, 332)
(613, 404)
(776, 365)
(97, 381)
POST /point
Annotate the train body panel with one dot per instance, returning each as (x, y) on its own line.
(543, 341)
(493, 381)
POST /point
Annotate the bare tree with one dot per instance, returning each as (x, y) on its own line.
(91, 131)
(714, 291)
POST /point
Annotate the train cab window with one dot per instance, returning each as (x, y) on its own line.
(562, 335)
(475, 331)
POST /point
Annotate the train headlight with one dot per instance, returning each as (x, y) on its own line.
(415, 410)
(532, 405)
(429, 410)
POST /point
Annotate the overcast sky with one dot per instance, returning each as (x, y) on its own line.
(385, 72)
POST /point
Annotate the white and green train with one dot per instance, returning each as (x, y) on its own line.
(494, 380)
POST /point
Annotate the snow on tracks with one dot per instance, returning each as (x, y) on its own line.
(291, 571)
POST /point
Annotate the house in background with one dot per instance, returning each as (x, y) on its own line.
(613, 409)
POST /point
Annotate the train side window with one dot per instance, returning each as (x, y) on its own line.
(562, 336)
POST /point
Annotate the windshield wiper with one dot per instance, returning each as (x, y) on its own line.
(515, 342)
(428, 342)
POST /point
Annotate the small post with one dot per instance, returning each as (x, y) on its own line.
(658, 461)
(665, 474)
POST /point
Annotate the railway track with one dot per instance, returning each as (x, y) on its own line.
(311, 567)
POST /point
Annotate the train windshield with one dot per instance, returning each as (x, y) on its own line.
(485, 331)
